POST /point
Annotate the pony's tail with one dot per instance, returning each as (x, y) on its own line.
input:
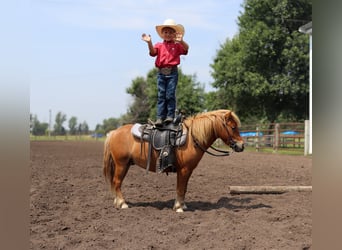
(108, 163)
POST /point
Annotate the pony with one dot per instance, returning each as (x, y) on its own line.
(122, 149)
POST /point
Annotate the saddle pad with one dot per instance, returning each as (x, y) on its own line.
(135, 130)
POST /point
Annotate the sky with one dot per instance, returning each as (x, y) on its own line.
(85, 53)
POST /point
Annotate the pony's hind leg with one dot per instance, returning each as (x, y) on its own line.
(120, 173)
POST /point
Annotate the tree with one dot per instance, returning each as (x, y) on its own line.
(139, 110)
(73, 125)
(264, 70)
(58, 127)
(38, 128)
(84, 128)
(227, 73)
(190, 94)
(108, 125)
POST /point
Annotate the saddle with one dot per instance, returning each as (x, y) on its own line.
(163, 139)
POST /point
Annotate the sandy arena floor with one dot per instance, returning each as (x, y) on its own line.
(71, 205)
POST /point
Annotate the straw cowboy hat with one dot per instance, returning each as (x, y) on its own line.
(171, 24)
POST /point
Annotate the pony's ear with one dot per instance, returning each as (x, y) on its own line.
(231, 119)
(227, 116)
(228, 119)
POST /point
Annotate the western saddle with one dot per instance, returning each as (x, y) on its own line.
(164, 140)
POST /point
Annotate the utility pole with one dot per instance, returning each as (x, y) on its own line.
(49, 122)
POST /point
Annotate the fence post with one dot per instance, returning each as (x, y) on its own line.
(276, 137)
(306, 137)
(257, 139)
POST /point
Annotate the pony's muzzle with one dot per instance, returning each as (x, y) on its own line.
(237, 146)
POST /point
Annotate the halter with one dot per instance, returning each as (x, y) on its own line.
(231, 142)
(224, 152)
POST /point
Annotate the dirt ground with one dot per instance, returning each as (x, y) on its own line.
(71, 205)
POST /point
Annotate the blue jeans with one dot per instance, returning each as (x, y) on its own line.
(166, 105)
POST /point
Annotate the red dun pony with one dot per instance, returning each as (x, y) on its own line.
(121, 150)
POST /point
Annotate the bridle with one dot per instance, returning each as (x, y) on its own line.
(224, 152)
(230, 142)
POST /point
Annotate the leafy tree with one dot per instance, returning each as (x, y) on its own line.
(264, 70)
(108, 125)
(212, 101)
(84, 128)
(139, 110)
(38, 128)
(73, 125)
(227, 73)
(59, 120)
(190, 94)
(152, 92)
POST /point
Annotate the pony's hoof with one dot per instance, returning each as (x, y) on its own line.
(179, 210)
(121, 204)
(124, 206)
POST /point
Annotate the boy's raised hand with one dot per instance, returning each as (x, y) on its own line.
(146, 38)
(179, 37)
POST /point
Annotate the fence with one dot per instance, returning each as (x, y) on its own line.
(274, 135)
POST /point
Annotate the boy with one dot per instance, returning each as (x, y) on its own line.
(168, 55)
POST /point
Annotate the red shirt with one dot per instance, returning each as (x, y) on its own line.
(168, 54)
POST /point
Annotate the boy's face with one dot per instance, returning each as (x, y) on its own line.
(169, 34)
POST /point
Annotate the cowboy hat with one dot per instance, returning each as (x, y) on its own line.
(170, 23)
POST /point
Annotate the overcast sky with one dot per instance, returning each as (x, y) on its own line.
(85, 53)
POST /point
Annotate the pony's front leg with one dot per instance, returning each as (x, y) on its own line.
(179, 204)
(182, 183)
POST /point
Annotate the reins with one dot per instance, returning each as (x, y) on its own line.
(224, 153)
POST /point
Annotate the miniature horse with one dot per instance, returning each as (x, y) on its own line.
(122, 149)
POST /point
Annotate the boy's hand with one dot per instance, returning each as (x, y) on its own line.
(146, 38)
(179, 37)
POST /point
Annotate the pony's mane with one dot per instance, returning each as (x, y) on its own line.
(203, 123)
